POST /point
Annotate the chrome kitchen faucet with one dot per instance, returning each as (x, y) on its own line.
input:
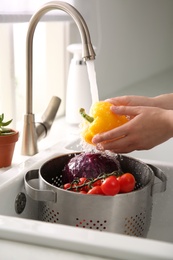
(31, 131)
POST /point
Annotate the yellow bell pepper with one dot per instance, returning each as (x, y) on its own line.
(101, 119)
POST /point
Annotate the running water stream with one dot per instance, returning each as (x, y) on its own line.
(92, 80)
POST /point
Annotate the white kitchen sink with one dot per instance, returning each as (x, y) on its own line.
(19, 218)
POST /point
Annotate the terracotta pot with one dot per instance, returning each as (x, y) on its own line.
(7, 145)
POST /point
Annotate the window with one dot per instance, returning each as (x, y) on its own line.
(50, 63)
(49, 66)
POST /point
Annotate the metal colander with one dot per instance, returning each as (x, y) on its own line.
(128, 213)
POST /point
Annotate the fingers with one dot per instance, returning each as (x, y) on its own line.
(120, 131)
(123, 144)
(110, 135)
(125, 110)
(131, 100)
(116, 101)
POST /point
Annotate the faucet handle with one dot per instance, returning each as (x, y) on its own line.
(48, 117)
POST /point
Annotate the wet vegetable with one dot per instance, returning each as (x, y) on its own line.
(89, 165)
(127, 182)
(110, 186)
(101, 119)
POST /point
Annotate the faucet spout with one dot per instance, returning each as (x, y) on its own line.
(30, 131)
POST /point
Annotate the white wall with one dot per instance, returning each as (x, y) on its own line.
(134, 40)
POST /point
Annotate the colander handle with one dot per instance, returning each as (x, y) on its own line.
(161, 185)
(33, 190)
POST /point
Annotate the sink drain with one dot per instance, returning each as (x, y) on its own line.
(20, 203)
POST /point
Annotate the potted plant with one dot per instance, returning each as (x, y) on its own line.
(8, 139)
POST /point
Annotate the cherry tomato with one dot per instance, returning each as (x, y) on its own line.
(127, 182)
(82, 180)
(96, 191)
(110, 186)
(66, 186)
(97, 183)
(82, 192)
(74, 187)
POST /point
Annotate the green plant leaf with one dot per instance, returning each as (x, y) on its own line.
(3, 125)
(1, 118)
(6, 123)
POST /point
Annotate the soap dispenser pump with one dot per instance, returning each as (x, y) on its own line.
(78, 86)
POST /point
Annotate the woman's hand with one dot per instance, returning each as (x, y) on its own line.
(132, 101)
(148, 127)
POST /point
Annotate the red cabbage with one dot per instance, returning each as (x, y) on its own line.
(89, 165)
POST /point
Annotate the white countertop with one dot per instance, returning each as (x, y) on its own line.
(11, 250)
(40, 240)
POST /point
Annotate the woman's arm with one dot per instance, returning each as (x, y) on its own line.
(163, 101)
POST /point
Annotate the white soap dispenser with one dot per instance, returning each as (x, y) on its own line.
(78, 86)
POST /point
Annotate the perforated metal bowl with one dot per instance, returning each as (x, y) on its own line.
(128, 213)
